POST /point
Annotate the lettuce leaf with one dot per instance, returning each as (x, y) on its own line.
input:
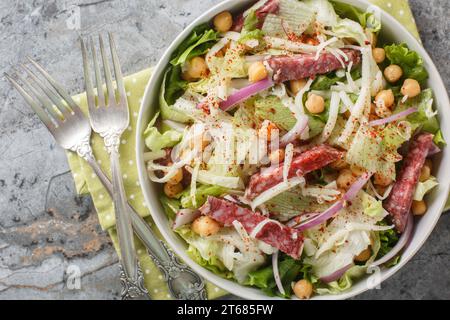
(197, 44)
(171, 206)
(156, 141)
(201, 195)
(408, 60)
(203, 251)
(250, 30)
(424, 187)
(289, 269)
(423, 103)
(172, 88)
(271, 108)
(388, 239)
(366, 19)
(325, 82)
(439, 138)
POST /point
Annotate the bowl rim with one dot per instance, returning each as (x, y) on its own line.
(234, 287)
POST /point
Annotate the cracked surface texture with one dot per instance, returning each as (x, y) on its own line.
(47, 234)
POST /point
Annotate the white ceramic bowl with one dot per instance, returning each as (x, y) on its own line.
(393, 31)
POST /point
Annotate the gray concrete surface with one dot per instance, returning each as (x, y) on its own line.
(48, 236)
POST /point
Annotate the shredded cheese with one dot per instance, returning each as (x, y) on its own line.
(332, 118)
(289, 155)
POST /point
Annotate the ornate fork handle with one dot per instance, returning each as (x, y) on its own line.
(193, 287)
(184, 284)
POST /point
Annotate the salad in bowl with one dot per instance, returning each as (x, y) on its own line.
(293, 146)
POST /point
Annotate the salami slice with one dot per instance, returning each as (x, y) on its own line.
(302, 66)
(271, 6)
(400, 200)
(272, 232)
(310, 160)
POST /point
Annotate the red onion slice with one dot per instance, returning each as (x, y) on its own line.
(338, 206)
(393, 118)
(246, 93)
(402, 242)
(301, 219)
(337, 274)
(295, 132)
(276, 273)
(185, 216)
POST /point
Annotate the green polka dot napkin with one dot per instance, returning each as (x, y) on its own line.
(87, 182)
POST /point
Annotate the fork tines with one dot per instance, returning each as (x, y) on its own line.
(45, 96)
(112, 99)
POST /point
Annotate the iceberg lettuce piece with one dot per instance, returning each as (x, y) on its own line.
(347, 28)
(366, 19)
(425, 187)
(171, 206)
(271, 108)
(326, 15)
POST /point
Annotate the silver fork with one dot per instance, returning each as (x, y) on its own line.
(72, 131)
(109, 118)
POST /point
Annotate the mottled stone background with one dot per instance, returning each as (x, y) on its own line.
(47, 234)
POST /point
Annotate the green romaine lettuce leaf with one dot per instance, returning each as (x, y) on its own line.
(171, 206)
(172, 88)
(324, 82)
(388, 239)
(289, 269)
(197, 44)
(424, 187)
(366, 19)
(423, 103)
(250, 30)
(408, 60)
(201, 195)
(439, 138)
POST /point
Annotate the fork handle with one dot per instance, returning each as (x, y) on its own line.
(123, 219)
(142, 228)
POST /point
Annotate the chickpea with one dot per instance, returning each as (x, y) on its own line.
(393, 73)
(177, 178)
(411, 88)
(205, 226)
(257, 72)
(297, 85)
(172, 190)
(382, 111)
(277, 156)
(425, 173)
(419, 208)
(315, 104)
(223, 21)
(429, 164)
(196, 69)
(346, 179)
(339, 164)
(382, 180)
(357, 171)
(303, 289)
(379, 55)
(385, 98)
(364, 255)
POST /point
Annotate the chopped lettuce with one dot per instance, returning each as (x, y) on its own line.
(439, 138)
(171, 206)
(198, 43)
(156, 141)
(388, 239)
(201, 195)
(172, 88)
(325, 82)
(375, 149)
(347, 28)
(292, 203)
(326, 15)
(372, 207)
(425, 117)
(293, 18)
(424, 187)
(366, 19)
(250, 31)
(289, 270)
(204, 251)
(271, 108)
(410, 61)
